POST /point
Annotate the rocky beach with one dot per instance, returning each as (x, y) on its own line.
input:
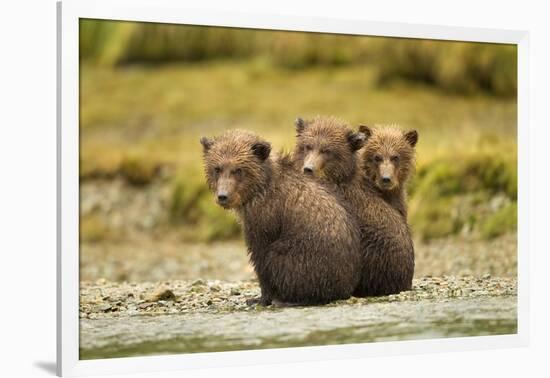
(212, 315)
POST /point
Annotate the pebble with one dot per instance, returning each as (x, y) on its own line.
(162, 295)
(104, 308)
(198, 282)
(179, 297)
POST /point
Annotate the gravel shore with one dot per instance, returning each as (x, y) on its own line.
(102, 299)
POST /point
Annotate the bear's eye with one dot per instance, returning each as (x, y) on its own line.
(237, 172)
(308, 147)
(217, 170)
(378, 158)
(394, 158)
(325, 151)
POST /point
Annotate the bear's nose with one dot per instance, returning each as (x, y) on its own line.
(386, 180)
(308, 170)
(222, 198)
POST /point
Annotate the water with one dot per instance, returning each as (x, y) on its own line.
(293, 327)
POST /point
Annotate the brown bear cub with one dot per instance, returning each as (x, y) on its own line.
(327, 149)
(388, 159)
(303, 244)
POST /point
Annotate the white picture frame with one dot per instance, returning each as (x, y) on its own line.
(172, 11)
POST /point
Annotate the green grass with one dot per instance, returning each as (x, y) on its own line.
(453, 66)
(504, 220)
(453, 193)
(192, 208)
(138, 121)
(458, 67)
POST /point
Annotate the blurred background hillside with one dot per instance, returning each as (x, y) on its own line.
(149, 91)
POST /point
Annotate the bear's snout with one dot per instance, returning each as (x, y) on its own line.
(313, 164)
(386, 182)
(222, 198)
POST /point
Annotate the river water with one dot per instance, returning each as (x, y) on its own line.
(293, 327)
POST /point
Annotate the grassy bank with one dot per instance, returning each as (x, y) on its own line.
(453, 66)
(142, 124)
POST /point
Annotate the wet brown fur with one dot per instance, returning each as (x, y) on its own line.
(304, 245)
(387, 265)
(389, 152)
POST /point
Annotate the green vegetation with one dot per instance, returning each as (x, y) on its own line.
(453, 66)
(457, 67)
(140, 120)
(465, 193)
(505, 219)
(192, 208)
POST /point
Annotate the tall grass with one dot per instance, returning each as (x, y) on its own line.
(453, 66)
(457, 67)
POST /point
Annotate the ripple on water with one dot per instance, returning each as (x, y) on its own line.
(292, 327)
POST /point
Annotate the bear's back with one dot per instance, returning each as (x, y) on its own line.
(297, 205)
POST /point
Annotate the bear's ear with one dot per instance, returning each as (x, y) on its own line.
(261, 150)
(411, 137)
(356, 140)
(300, 125)
(206, 143)
(365, 130)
